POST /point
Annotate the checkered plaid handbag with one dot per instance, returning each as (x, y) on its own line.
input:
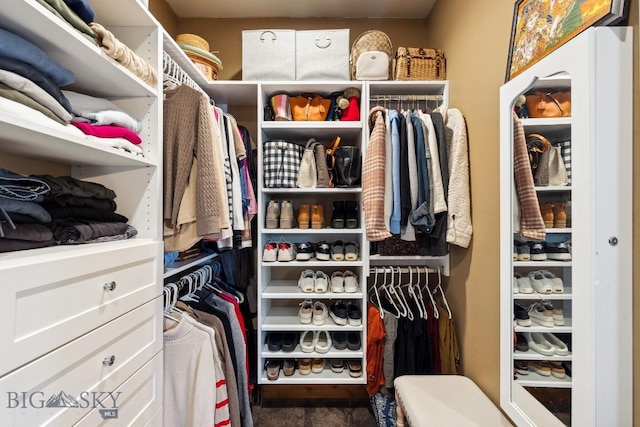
(281, 163)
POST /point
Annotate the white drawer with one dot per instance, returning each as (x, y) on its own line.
(82, 370)
(58, 294)
(139, 402)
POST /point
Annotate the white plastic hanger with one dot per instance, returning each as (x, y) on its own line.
(403, 300)
(436, 313)
(393, 291)
(412, 291)
(389, 297)
(169, 290)
(375, 291)
(444, 299)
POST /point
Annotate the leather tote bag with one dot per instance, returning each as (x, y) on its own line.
(348, 166)
(309, 107)
(543, 104)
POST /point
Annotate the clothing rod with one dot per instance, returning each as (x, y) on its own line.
(403, 270)
(376, 98)
(176, 74)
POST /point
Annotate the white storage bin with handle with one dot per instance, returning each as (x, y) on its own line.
(269, 55)
(322, 54)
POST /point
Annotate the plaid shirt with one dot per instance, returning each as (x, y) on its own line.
(531, 223)
(373, 178)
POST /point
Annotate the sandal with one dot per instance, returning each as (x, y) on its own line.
(351, 251)
(288, 367)
(273, 369)
(317, 366)
(304, 366)
(355, 368)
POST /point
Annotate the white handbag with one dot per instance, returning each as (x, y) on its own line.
(322, 55)
(308, 172)
(557, 170)
(269, 55)
(372, 65)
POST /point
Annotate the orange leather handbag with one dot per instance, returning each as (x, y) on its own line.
(544, 104)
(309, 107)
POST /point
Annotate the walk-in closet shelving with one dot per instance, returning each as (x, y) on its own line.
(596, 68)
(70, 308)
(278, 293)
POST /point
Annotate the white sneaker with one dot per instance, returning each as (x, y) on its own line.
(538, 343)
(559, 347)
(323, 342)
(540, 315)
(337, 282)
(556, 283)
(514, 285)
(286, 252)
(305, 312)
(308, 341)
(321, 282)
(539, 283)
(306, 280)
(524, 285)
(350, 282)
(320, 313)
(270, 252)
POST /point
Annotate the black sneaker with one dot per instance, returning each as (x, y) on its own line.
(339, 340)
(305, 252)
(323, 251)
(521, 343)
(353, 341)
(558, 252)
(521, 315)
(537, 251)
(338, 313)
(354, 315)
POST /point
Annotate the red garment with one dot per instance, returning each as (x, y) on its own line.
(375, 350)
(108, 131)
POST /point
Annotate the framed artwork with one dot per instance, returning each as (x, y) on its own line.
(539, 27)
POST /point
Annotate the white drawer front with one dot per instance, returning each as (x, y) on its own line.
(48, 302)
(139, 402)
(44, 391)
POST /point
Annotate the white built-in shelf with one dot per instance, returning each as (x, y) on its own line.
(566, 329)
(49, 33)
(532, 355)
(52, 141)
(558, 230)
(398, 87)
(313, 262)
(287, 289)
(180, 266)
(332, 191)
(322, 131)
(541, 264)
(299, 354)
(535, 380)
(313, 231)
(553, 188)
(286, 319)
(327, 376)
(567, 294)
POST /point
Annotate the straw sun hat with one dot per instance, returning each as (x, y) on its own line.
(197, 49)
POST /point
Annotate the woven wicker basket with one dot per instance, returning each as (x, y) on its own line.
(416, 63)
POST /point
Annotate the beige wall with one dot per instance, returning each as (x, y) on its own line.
(475, 38)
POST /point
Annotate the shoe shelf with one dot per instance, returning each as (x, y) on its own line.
(288, 289)
(299, 354)
(566, 295)
(567, 328)
(286, 319)
(313, 262)
(327, 376)
(533, 379)
(538, 264)
(313, 231)
(532, 355)
(332, 191)
(554, 188)
(558, 230)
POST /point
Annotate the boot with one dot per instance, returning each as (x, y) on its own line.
(559, 215)
(304, 216)
(351, 213)
(546, 209)
(337, 219)
(317, 216)
(286, 214)
(273, 214)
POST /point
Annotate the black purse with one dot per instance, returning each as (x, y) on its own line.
(347, 166)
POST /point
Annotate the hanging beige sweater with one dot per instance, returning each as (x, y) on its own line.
(187, 133)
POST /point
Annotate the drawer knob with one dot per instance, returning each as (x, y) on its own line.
(109, 361)
(109, 286)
